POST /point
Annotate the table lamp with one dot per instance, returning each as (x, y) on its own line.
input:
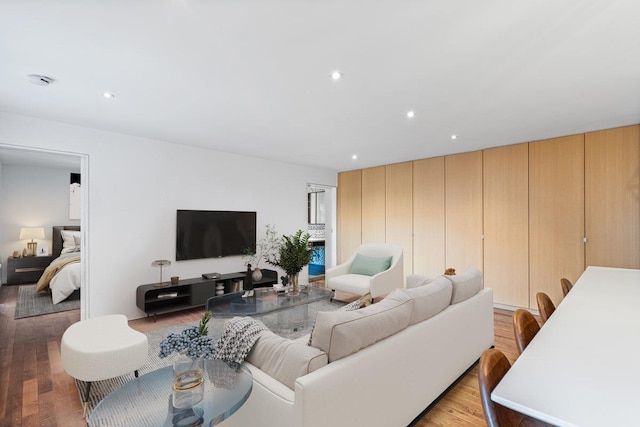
(32, 233)
(160, 263)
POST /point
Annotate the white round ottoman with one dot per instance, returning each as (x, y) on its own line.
(102, 348)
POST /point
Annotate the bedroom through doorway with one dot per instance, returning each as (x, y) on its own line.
(39, 191)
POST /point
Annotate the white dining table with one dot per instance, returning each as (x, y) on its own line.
(583, 367)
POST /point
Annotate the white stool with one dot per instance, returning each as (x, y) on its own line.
(102, 348)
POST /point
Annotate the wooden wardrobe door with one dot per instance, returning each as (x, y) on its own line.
(612, 197)
(556, 214)
(349, 213)
(428, 216)
(506, 223)
(373, 205)
(463, 208)
(399, 207)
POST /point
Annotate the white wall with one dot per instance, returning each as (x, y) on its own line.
(32, 197)
(135, 186)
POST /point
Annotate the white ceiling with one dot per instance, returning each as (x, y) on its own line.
(253, 77)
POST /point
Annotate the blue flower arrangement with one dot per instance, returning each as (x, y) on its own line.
(192, 341)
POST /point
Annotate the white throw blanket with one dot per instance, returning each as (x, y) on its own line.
(238, 338)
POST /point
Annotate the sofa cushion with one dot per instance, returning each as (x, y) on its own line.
(369, 265)
(285, 359)
(356, 284)
(415, 280)
(429, 300)
(341, 333)
(465, 285)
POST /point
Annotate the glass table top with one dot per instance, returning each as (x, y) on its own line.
(147, 400)
(265, 301)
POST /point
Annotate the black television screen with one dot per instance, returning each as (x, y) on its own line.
(213, 234)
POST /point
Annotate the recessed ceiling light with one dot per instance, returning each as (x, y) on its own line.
(39, 80)
(336, 75)
(454, 136)
(411, 114)
(108, 95)
(354, 157)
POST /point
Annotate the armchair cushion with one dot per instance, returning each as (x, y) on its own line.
(369, 266)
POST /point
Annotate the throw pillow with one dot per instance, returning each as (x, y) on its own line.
(465, 285)
(363, 301)
(415, 280)
(369, 266)
(341, 333)
(429, 300)
(284, 359)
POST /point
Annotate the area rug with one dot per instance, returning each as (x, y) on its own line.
(32, 304)
(100, 389)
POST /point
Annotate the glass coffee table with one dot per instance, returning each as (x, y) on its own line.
(280, 311)
(147, 400)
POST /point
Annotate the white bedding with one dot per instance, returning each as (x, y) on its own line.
(65, 282)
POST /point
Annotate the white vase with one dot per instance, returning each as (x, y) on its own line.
(257, 274)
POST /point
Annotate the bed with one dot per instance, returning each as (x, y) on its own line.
(62, 277)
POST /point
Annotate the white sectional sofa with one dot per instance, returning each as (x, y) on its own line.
(377, 366)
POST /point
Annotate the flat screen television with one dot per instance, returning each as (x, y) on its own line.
(214, 234)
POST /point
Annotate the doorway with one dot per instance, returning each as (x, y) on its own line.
(320, 220)
(16, 157)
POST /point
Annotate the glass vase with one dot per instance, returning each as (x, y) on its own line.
(188, 381)
(294, 288)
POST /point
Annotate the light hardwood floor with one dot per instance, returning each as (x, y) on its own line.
(35, 390)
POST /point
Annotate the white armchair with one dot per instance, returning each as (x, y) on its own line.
(339, 277)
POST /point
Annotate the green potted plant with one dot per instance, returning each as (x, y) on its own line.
(292, 254)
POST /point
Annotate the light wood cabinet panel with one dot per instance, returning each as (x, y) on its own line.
(349, 213)
(373, 205)
(463, 208)
(428, 216)
(556, 214)
(399, 203)
(506, 223)
(612, 197)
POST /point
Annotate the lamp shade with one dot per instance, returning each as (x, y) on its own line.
(31, 233)
(161, 262)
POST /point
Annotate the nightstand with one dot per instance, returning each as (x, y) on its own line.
(26, 269)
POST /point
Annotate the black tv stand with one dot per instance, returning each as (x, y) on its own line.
(192, 293)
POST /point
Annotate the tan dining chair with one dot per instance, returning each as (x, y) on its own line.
(493, 366)
(525, 327)
(566, 286)
(545, 306)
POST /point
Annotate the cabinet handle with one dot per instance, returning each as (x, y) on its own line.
(584, 239)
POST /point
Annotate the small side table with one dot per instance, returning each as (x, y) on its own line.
(26, 269)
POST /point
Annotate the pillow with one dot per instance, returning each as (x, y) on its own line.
(429, 300)
(283, 359)
(70, 241)
(341, 333)
(415, 280)
(465, 285)
(369, 266)
(363, 301)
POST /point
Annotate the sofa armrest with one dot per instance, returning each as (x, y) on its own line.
(339, 270)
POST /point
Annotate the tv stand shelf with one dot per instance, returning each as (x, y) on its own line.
(191, 293)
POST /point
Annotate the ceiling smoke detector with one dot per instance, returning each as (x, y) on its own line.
(39, 80)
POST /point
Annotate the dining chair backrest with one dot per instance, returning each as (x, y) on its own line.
(525, 327)
(545, 306)
(566, 286)
(493, 366)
